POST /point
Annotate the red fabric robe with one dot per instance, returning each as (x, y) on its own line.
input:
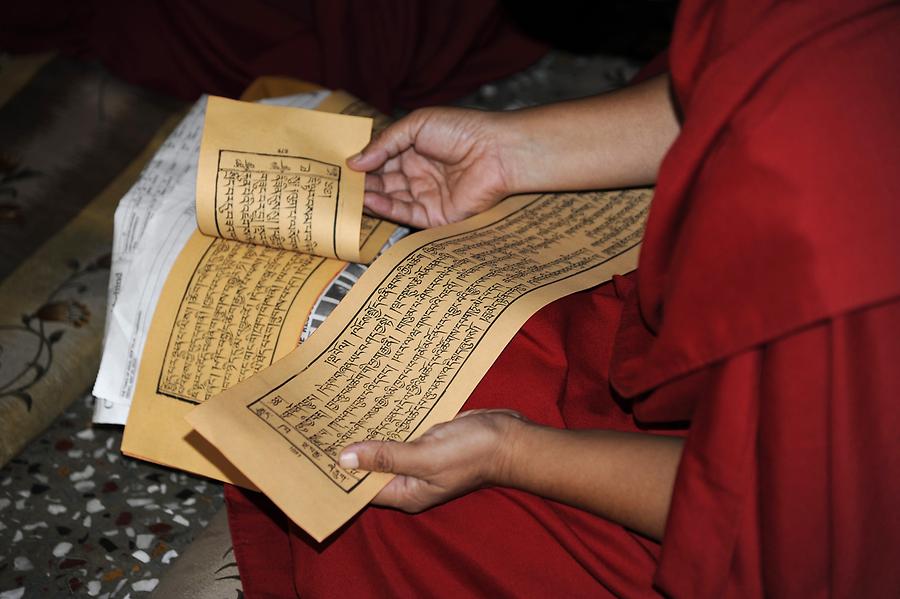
(393, 53)
(763, 322)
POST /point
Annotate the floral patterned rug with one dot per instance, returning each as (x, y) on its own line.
(72, 140)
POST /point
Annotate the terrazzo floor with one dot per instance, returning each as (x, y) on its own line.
(79, 519)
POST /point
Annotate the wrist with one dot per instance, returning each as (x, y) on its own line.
(512, 433)
(515, 149)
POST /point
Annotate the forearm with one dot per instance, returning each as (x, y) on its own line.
(608, 141)
(625, 477)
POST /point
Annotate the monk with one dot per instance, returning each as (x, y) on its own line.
(721, 423)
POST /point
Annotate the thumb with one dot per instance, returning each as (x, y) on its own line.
(387, 144)
(382, 456)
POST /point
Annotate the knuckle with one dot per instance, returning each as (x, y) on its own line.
(413, 507)
(383, 460)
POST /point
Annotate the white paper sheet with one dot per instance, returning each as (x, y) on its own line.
(152, 223)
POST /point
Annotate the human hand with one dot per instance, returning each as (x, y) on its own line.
(435, 166)
(451, 459)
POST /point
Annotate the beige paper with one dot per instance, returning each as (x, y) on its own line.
(410, 342)
(277, 177)
(230, 308)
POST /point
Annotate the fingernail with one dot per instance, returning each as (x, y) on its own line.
(355, 157)
(349, 459)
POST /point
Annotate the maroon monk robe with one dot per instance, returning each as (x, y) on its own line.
(765, 319)
(392, 53)
(770, 277)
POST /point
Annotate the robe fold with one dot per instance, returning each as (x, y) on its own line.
(392, 53)
(763, 323)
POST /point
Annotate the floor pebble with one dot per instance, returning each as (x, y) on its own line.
(145, 586)
(62, 549)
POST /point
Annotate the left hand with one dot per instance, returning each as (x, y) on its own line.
(451, 459)
(436, 166)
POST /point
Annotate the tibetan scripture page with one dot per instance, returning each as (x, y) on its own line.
(277, 177)
(279, 201)
(410, 342)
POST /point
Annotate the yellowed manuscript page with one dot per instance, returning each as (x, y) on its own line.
(280, 178)
(272, 187)
(410, 342)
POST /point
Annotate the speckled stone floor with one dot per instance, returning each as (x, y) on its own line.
(79, 519)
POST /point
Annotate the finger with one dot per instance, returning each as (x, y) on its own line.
(474, 412)
(398, 493)
(383, 206)
(384, 456)
(505, 411)
(391, 495)
(386, 183)
(398, 208)
(393, 164)
(392, 182)
(393, 140)
(374, 182)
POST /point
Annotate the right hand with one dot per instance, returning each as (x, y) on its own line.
(449, 460)
(434, 166)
